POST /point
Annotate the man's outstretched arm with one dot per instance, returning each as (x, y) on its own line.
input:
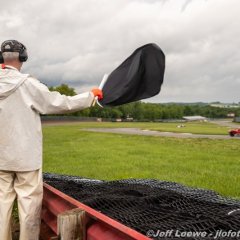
(46, 102)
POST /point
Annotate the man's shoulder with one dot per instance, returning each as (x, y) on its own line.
(31, 78)
(34, 82)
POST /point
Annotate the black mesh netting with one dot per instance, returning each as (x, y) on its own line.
(156, 205)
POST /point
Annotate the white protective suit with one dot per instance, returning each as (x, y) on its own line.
(22, 99)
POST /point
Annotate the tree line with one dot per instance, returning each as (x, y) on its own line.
(149, 111)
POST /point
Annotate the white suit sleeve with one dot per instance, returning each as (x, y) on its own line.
(46, 102)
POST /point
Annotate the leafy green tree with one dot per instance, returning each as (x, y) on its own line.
(188, 111)
(64, 89)
(116, 113)
(149, 111)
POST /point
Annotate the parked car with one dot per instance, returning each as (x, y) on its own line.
(234, 132)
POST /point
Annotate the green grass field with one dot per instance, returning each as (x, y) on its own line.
(204, 163)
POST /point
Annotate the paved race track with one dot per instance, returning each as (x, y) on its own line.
(137, 131)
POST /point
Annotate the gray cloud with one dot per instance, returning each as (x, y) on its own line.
(76, 42)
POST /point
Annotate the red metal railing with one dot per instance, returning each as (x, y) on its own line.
(100, 226)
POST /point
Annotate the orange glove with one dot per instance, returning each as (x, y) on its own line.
(97, 93)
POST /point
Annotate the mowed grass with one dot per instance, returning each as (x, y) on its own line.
(204, 163)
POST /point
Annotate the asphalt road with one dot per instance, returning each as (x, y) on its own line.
(137, 131)
(226, 123)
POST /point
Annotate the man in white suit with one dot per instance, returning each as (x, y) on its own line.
(22, 99)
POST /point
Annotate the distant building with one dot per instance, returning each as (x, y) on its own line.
(117, 120)
(225, 105)
(231, 115)
(195, 118)
(129, 119)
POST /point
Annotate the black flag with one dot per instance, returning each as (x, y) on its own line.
(140, 76)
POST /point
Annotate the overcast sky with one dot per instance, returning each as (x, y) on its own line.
(77, 41)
